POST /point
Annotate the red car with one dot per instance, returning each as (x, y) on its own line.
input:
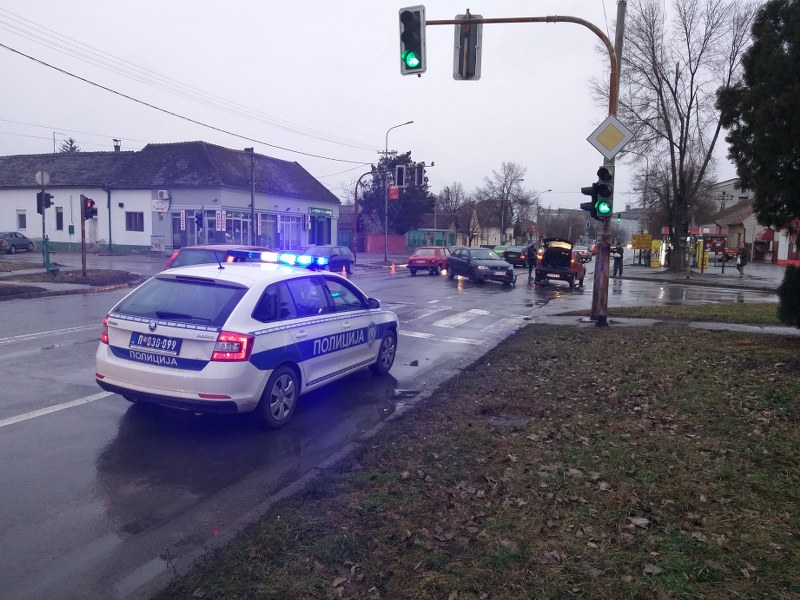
(430, 258)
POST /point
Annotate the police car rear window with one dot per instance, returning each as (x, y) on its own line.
(187, 300)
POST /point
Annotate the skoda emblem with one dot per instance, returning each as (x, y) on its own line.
(152, 325)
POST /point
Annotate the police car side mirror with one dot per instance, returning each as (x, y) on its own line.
(373, 303)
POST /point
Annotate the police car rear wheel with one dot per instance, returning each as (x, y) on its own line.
(386, 352)
(280, 398)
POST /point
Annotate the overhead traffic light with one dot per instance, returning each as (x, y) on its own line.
(419, 175)
(400, 176)
(604, 203)
(412, 40)
(89, 210)
(467, 48)
(198, 220)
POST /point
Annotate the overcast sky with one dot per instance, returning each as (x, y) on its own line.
(319, 78)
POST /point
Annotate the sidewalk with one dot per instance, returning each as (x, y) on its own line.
(757, 276)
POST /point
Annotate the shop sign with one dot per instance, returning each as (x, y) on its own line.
(183, 220)
(322, 212)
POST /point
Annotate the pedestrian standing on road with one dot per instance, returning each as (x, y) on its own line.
(530, 258)
(617, 254)
(741, 259)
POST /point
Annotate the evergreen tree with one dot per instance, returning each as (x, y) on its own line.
(69, 146)
(762, 116)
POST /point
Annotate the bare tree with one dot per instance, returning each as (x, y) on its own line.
(503, 190)
(669, 78)
(450, 198)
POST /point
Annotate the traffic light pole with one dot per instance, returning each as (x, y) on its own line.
(600, 290)
(44, 246)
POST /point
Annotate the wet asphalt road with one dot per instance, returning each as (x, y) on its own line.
(101, 498)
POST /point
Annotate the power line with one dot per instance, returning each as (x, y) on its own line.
(130, 70)
(174, 114)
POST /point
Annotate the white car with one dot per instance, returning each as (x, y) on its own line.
(241, 337)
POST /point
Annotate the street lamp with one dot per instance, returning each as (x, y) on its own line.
(386, 194)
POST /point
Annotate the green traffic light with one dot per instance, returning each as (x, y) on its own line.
(410, 59)
(603, 207)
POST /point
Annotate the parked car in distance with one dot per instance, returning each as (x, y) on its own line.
(338, 257)
(584, 253)
(13, 241)
(558, 260)
(515, 255)
(430, 258)
(479, 264)
(209, 254)
(499, 250)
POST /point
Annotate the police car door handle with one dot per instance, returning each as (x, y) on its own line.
(347, 325)
(302, 334)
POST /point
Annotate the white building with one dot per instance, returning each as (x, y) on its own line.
(166, 196)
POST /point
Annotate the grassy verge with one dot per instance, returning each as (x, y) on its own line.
(95, 277)
(763, 313)
(568, 463)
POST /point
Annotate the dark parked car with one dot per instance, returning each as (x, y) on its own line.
(430, 258)
(338, 257)
(479, 264)
(515, 255)
(12, 242)
(558, 260)
(207, 254)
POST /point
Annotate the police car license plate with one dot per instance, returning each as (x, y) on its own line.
(155, 343)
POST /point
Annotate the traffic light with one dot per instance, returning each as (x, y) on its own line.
(419, 176)
(89, 211)
(604, 203)
(360, 222)
(412, 40)
(198, 220)
(43, 201)
(467, 48)
(400, 176)
(590, 206)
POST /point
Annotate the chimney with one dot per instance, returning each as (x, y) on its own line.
(117, 145)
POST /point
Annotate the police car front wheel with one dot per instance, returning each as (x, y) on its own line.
(386, 352)
(279, 398)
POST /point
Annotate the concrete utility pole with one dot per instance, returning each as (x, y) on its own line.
(251, 152)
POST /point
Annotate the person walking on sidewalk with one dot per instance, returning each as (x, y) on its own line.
(616, 254)
(530, 258)
(741, 259)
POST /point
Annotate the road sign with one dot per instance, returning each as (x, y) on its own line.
(42, 178)
(394, 192)
(610, 137)
(641, 241)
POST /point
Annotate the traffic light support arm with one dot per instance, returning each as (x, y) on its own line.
(613, 96)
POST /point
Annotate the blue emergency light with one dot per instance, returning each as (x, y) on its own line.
(283, 258)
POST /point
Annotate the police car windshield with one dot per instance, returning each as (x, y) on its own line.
(186, 300)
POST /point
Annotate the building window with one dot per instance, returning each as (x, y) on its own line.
(22, 220)
(134, 221)
(59, 218)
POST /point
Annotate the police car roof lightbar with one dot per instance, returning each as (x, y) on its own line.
(284, 258)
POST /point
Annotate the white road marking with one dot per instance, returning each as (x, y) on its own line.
(445, 338)
(29, 336)
(51, 409)
(422, 313)
(460, 318)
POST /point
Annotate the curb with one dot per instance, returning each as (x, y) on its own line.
(70, 292)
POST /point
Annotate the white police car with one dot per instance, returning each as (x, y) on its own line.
(238, 337)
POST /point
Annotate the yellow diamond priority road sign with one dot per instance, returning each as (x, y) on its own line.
(610, 137)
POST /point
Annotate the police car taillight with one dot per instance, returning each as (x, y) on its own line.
(232, 347)
(104, 331)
